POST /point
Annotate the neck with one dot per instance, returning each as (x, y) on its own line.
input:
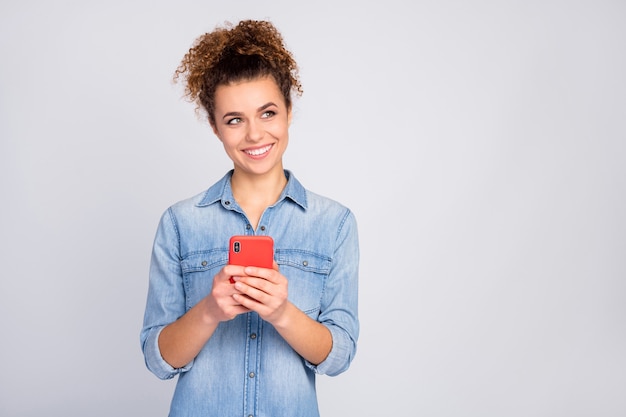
(258, 190)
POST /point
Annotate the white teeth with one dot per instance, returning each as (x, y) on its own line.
(260, 151)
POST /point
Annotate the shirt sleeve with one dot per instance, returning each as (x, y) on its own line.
(166, 296)
(339, 306)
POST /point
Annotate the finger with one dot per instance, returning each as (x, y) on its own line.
(245, 278)
(246, 302)
(255, 293)
(264, 273)
(237, 307)
(233, 270)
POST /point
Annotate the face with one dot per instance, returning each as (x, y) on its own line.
(252, 122)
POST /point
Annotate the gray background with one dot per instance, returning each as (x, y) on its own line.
(481, 145)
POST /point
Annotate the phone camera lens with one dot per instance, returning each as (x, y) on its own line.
(237, 247)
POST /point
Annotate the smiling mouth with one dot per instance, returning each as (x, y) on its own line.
(258, 151)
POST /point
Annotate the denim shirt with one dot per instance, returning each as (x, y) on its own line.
(246, 368)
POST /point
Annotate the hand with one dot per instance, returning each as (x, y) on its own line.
(220, 305)
(262, 290)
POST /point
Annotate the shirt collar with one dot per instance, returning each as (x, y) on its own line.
(222, 191)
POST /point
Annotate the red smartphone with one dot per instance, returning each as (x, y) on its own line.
(251, 250)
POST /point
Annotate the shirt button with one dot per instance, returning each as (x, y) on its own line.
(305, 263)
(204, 263)
(253, 336)
(251, 374)
(227, 202)
(263, 228)
(248, 227)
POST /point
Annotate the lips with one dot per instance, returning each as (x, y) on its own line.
(258, 151)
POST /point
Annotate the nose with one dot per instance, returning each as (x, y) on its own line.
(255, 131)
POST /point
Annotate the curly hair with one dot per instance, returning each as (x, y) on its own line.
(229, 54)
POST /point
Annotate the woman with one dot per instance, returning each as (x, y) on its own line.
(250, 346)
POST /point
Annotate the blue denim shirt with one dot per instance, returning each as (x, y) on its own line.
(246, 368)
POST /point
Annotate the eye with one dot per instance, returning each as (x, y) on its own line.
(268, 114)
(234, 121)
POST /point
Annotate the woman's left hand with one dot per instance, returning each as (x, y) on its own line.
(263, 291)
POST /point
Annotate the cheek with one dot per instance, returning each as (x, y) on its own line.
(228, 139)
(281, 131)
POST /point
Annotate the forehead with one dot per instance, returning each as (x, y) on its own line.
(248, 94)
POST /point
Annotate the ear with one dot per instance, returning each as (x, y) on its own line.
(215, 131)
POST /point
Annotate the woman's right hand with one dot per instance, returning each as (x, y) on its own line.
(220, 305)
(180, 342)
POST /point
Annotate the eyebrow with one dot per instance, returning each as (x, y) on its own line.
(265, 106)
(239, 114)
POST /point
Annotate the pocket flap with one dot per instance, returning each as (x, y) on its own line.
(205, 260)
(304, 260)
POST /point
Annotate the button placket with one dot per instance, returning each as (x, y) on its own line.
(252, 364)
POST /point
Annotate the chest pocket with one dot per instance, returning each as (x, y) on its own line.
(307, 273)
(199, 268)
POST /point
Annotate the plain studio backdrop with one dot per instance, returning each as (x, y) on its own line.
(481, 145)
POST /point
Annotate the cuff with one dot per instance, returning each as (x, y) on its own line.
(339, 357)
(155, 362)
